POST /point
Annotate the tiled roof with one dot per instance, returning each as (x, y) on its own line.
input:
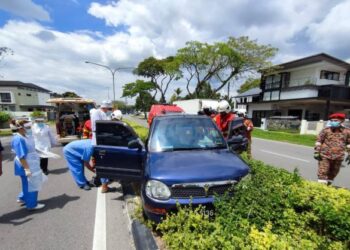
(22, 84)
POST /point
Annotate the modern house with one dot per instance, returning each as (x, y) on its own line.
(19, 96)
(244, 99)
(309, 88)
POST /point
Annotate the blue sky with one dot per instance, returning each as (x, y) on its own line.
(52, 39)
(66, 16)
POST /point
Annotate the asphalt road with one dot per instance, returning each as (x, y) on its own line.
(69, 220)
(287, 156)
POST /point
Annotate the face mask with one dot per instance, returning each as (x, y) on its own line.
(109, 113)
(41, 125)
(28, 132)
(334, 124)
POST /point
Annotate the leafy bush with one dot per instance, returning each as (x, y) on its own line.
(4, 117)
(36, 114)
(271, 209)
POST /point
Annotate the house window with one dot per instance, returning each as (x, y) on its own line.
(329, 75)
(275, 95)
(29, 94)
(5, 97)
(267, 96)
(271, 95)
(273, 81)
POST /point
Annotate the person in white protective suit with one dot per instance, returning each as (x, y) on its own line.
(27, 166)
(100, 114)
(103, 113)
(44, 140)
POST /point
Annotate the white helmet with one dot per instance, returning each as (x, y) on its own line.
(224, 106)
(117, 115)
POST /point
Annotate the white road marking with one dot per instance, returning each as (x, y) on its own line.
(100, 236)
(283, 155)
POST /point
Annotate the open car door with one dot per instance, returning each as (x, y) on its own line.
(119, 152)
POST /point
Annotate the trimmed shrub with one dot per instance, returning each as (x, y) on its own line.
(4, 117)
(36, 114)
(271, 209)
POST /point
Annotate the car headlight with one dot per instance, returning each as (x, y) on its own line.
(157, 190)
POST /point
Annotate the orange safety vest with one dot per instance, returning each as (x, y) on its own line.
(87, 130)
(222, 121)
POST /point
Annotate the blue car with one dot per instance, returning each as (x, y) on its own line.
(185, 160)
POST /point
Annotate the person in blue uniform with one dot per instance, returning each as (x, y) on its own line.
(77, 155)
(27, 165)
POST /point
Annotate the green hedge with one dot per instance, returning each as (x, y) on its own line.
(271, 209)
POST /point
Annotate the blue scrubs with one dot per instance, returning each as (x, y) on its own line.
(75, 154)
(22, 149)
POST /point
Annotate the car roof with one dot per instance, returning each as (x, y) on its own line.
(180, 115)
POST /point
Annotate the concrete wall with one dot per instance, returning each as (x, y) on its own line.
(258, 106)
(43, 97)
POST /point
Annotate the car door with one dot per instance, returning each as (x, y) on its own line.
(115, 157)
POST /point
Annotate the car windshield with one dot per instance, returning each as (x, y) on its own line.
(179, 133)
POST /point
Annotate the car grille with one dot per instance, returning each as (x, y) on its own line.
(197, 192)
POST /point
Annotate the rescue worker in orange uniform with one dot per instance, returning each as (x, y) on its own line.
(330, 147)
(87, 129)
(249, 128)
(224, 117)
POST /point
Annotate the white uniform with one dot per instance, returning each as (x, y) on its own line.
(97, 115)
(43, 138)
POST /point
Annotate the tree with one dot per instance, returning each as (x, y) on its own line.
(4, 51)
(161, 73)
(176, 96)
(142, 90)
(250, 83)
(220, 63)
(69, 95)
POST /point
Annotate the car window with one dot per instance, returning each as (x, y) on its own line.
(185, 134)
(114, 134)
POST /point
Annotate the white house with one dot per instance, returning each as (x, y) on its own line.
(19, 96)
(310, 88)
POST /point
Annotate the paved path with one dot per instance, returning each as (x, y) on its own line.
(69, 219)
(288, 156)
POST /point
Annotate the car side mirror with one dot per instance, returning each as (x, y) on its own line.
(135, 144)
(235, 140)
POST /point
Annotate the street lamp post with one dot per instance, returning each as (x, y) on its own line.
(113, 71)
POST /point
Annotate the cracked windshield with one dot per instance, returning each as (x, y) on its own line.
(188, 124)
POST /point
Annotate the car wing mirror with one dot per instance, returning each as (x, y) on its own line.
(135, 144)
(235, 140)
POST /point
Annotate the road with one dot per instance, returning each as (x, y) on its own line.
(288, 156)
(72, 218)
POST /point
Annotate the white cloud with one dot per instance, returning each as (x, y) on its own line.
(333, 32)
(25, 8)
(55, 59)
(171, 23)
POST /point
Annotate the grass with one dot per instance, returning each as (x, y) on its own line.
(306, 140)
(5, 132)
(141, 131)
